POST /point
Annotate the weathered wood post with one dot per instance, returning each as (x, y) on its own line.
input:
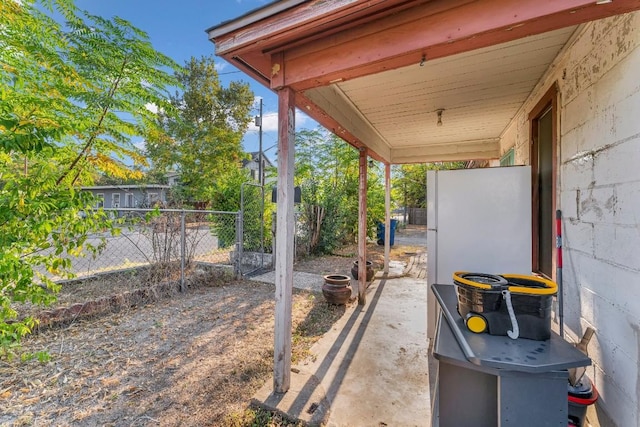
(362, 228)
(387, 215)
(284, 240)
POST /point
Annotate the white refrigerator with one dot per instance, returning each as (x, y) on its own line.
(478, 220)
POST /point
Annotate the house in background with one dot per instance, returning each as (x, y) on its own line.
(149, 195)
(173, 178)
(129, 196)
(253, 164)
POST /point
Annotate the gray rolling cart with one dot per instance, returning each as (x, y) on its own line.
(486, 380)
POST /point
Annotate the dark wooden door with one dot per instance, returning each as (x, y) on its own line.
(545, 193)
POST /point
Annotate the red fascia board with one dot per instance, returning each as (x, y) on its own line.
(301, 22)
(381, 37)
(398, 41)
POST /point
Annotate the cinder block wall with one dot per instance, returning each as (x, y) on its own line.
(598, 76)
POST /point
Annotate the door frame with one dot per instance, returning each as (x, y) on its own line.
(548, 100)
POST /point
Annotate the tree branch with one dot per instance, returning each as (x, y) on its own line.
(94, 134)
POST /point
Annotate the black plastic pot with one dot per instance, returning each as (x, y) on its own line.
(580, 397)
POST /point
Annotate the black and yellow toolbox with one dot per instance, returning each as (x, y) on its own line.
(509, 304)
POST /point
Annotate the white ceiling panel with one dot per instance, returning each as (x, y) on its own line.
(480, 92)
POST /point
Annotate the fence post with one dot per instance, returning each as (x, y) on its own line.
(261, 222)
(182, 249)
(295, 236)
(239, 249)
(273, 239)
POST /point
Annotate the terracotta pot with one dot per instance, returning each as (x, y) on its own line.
(370, 271)
(336, 288)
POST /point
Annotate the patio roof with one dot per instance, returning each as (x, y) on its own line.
(377, 72)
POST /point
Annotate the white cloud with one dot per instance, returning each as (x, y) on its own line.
(303, 120)
(270, 122)
(219, 66)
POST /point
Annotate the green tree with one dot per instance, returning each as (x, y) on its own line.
(410, 185)
(410, 182)
(227, 196)
(327, 170)
(206, 138)
(72, 98)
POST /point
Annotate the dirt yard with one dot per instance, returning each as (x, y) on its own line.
(186, 359)
(342, 261)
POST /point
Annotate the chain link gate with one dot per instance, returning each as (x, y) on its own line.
(251, 250)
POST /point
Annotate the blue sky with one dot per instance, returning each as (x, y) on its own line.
(177, 29)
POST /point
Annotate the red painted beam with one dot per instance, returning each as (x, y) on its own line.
(302, 24)
(328, 122)
(435, 30)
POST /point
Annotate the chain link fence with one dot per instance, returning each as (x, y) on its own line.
(157, 245)
(255, 230)
(302, 237)
(160, 245)
(151, 255)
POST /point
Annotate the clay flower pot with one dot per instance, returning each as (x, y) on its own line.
(336, 288)
(370, 271)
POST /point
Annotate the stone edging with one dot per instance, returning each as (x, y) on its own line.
(108, 304)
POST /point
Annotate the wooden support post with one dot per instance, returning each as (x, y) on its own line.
(284, 241)
(362, 228)
(387, 215)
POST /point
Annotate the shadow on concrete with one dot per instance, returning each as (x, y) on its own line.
(307, 400)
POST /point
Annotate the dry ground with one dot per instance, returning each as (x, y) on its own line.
(189, 359)
(193, 360)
(342, 261)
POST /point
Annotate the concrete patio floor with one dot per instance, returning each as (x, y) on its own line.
(372, 367)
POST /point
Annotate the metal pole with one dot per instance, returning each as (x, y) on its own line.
(274, 222)
(260, 167)
(404, 186)
(238, 271)
(559, 270)
(182, 250)
(261, 225)
(261, 178)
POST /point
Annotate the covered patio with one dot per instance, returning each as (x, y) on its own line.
(372, 367)
(402, 81)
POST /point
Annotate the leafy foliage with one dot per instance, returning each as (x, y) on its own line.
(73, 98)
(206, 136)
(327, 170)
(410, 182)
(227, 196)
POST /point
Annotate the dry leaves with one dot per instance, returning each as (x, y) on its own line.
(185, 361)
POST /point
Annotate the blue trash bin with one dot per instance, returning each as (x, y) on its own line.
(392, 232)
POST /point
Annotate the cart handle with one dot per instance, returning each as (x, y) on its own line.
(550, 287)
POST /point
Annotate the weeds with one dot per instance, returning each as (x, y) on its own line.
(258, 417)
